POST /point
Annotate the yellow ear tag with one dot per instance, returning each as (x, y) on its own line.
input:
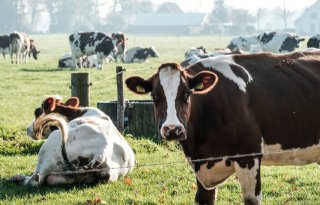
(140, 89)
(199, 86)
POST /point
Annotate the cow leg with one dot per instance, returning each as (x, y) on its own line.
(204, 196)
(248, 174)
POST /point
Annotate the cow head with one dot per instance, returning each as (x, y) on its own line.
(170, 89)
(49, 105)
(120, 42)
(242, 43)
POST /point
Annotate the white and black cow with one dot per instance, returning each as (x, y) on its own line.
(22, 46)
(140, 54)
(87, 141)
(66, 61)
(275, 42)
(264, 107)
(314, 41)
(4, 45)
(90, 43)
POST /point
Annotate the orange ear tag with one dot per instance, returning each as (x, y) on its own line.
(199, 86)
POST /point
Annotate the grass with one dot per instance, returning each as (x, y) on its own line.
(23, 87)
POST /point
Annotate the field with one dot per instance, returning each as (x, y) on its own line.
(162, 175)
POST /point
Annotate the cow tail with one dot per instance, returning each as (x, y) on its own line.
(54, 119)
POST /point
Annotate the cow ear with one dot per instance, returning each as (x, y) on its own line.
(139, 85)
(203, 82)
(49, 104)
(72, 102)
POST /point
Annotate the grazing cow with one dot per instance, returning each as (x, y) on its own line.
(139, 54)
(275, 42)
(233, 113)
(195, 51)
(314, 41)
(4, 45)
(22, 45)
(90, 144)
(122, 44)
(90, 43)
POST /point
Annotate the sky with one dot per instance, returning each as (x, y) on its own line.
(251, 5)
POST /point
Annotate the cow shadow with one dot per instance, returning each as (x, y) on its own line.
(47, 69)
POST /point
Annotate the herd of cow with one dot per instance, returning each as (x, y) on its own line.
(231, 112)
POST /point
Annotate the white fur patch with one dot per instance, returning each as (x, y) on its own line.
(276, 155)
(222, 65)
(170, 81)
(247, 179)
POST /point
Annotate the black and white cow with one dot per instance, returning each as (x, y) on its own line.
(314, 41)
(87, 141)
(140, 54)
(22, 46)
(90, 43)
(233, 113)
(4, 45)
(275, 42)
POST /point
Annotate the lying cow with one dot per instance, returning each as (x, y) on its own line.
(275, 42)
(314, 41)
(91, 147)
(22, 46)
(90, 43)
(139, 54)
(233, 113)
(4, 45)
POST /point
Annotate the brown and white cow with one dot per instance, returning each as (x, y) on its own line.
(22, 45)
(87, 143)
(90, 43)
(121, 43)
(4, 45)
(261, 106)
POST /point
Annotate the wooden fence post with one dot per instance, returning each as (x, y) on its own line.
(80, 88)
(120, 104)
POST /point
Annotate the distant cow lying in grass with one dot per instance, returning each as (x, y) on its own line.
(87, 143)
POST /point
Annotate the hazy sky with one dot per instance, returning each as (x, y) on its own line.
(251, 5)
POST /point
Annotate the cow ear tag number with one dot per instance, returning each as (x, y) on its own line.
(140, 89)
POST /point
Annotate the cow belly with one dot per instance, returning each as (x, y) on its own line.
(274, 155)
(215, 175)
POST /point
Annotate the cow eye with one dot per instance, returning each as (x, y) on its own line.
(155, 98)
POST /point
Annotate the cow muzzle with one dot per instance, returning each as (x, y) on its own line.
(173, 132)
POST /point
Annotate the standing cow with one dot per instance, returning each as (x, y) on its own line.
(22, 46)
(233, 113)
(121, 44)
(89, 43)
(4, 45)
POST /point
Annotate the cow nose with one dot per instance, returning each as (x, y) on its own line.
(172, 132)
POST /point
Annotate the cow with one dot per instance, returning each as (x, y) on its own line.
(90, 43)
(22, 46)
(234, 113)
(275, 42)
(195, 51)
(314, 41)
(92, 149)
(140, 54)
(4, 45)
(66, 61)
(121, 44)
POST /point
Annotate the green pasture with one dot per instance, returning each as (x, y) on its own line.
(162, 176)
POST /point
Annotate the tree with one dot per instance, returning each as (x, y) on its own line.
(219, 12)
(283, 14)
(9, 15)
(241, 20)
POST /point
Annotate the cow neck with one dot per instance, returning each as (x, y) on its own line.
(69, 112)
